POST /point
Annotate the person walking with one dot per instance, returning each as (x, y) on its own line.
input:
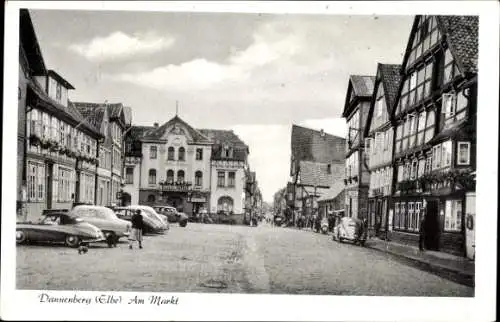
(137, 227)
(421, 235)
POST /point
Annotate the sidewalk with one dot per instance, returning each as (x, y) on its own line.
(456, 268)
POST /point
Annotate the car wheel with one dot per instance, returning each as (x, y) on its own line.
(72, 241)
(183, 223)
(111, 239)
(20, 237)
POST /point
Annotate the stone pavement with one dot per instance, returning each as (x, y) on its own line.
(457, 268)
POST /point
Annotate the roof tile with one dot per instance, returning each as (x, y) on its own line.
(310, 145)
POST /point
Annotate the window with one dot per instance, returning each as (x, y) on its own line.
(152, 152)
(418, 206)
(58, 92)
(225, 204)
(450, 69)
(400, 173)
(397, 221)
(403, 216)
(170, 176)
(199, 154)
(368, 142)
(399, 135)
(329, 169)
(170, 153)
(412, 223)
(429, 129)
(421, 167)
(453, 107)
(151, 198)
(180, 176)
(182, 153)
(446, 151)
(414, 168)
(221, 178)
(428, 164)
(198, 178)
(152, 176)
(129, 175)
(231, 179)
(463, 153)
(436, 157)
(453, 215)
(421, 128)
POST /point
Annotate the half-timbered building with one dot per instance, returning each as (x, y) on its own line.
(435, 143)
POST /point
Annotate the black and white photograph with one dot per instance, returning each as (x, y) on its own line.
(184, 161)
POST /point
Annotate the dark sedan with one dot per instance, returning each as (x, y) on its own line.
(58, 227)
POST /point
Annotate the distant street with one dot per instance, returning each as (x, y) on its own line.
(235, 259)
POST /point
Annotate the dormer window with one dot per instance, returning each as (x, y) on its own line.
(227, 151)
(58, 91)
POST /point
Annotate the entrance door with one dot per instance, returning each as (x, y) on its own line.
(49, 177)
(350, 206)
(431, 227)
(379, 215)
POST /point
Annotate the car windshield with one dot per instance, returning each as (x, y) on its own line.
(151, 214)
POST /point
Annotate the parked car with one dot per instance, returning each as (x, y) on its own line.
(173, 215)
(153, 224)
(350, 229)
(104, 219)
(58, 227)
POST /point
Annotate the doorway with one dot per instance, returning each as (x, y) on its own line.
(350, 206)
(431, 225)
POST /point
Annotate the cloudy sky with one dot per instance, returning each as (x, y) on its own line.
(254, 73)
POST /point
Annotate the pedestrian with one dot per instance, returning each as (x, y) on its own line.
(421, 235)
(137, 227)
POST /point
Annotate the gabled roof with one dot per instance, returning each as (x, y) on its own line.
(223, 136)
(362, 85)
(60, 79)
(462, 34)
(30, 45)
(315, 174)
(311, 145)
(127, 111)
(93, 112)
(334, 191)
(159, 132)
(390, 76)
(359, 86)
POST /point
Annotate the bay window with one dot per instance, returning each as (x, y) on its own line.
(463, 153)
(453, 215)
(446, 151)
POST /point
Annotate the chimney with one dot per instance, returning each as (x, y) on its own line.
(322, 133)
(155, 125)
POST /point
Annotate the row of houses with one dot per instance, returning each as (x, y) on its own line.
(412, 138)
(191, 169)
(410, 148)
(67, 152)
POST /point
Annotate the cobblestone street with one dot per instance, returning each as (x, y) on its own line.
(234, 259)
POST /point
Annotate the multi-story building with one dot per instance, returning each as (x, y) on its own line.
(317, 162)
(379, 136)
(112, 120)
(357, 177)
(60, 145)
(189, 169)
(435, 142)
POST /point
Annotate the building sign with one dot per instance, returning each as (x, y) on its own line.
(176, 187)
(198, 199)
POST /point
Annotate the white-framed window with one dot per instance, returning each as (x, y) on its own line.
(463, 153)
(129, 175)
(436, 157)
(453, 215)
(400, 173)
(153, 150)
(446, 151)
(412, 223)
(428, 164)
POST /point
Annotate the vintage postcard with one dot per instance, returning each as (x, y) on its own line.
(300, 161)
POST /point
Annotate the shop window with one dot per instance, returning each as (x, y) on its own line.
(463, 153)
(453, 215)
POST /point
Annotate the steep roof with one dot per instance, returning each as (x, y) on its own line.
(93, 112)
(390, 75)
(60, 79)
(362, 85)
(315, 174)
(311, 145)
(30, 45)
(335, 189)
(462, 35)
(158, 133)
(221, 136)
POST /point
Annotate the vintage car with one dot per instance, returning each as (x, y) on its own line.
(58, 227)
(172, 215)
(350, 229)
(104, 219)
(153, 224)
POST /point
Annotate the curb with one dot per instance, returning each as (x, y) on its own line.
(452, 274)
